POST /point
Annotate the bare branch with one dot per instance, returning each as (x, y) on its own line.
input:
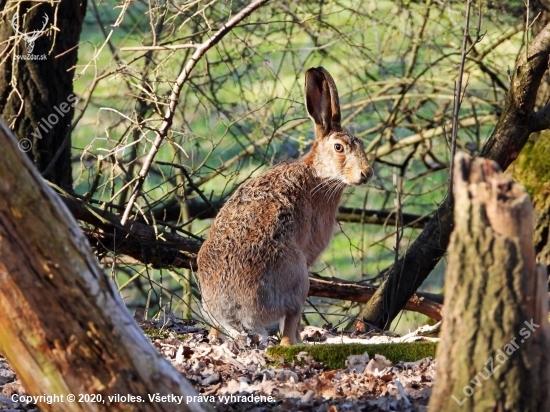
(158, 48)
(429, 134)
(174, 97)
(515, 123)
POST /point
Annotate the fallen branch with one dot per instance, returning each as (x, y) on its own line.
(143, 243)
(355, 292)
(196, 209)
(138, 240)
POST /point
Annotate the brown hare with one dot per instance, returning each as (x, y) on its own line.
(253, 268)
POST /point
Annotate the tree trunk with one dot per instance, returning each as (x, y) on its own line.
(494, 350)
(36, 88)
(517, 121)
(64, 327)
(532, 169)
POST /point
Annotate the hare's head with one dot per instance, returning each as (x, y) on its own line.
(335, 154)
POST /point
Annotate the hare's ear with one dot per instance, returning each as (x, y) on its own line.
(322, 100)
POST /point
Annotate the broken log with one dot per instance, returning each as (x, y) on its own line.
(494, 347)
(63, 325)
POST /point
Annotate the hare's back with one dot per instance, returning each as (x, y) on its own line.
(259, 224)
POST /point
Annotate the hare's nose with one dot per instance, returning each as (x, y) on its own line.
(366, 176)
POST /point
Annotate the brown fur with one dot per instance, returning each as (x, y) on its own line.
(253, 266)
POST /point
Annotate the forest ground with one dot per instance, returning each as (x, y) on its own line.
(226, 376)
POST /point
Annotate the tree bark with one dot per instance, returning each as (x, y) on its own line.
(517, 121)
(495, 343)
(64, 327)
(533, 171)
(36, 96)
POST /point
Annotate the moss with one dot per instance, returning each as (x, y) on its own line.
(532, 168)
(334, 356)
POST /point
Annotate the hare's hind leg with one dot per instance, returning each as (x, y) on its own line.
(298, 330)
(296, 296)
(291, 329)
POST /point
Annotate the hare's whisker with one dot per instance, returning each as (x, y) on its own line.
(339, 187)
(334, 189)
(326, 182)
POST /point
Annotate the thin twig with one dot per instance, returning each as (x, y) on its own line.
(154, 48)
(428, 134)
(458, 94)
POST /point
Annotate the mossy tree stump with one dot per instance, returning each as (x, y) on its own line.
(493, 354)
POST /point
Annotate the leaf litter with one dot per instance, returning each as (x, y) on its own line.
(230, 374)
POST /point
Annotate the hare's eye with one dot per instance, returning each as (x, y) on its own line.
(339, 148)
